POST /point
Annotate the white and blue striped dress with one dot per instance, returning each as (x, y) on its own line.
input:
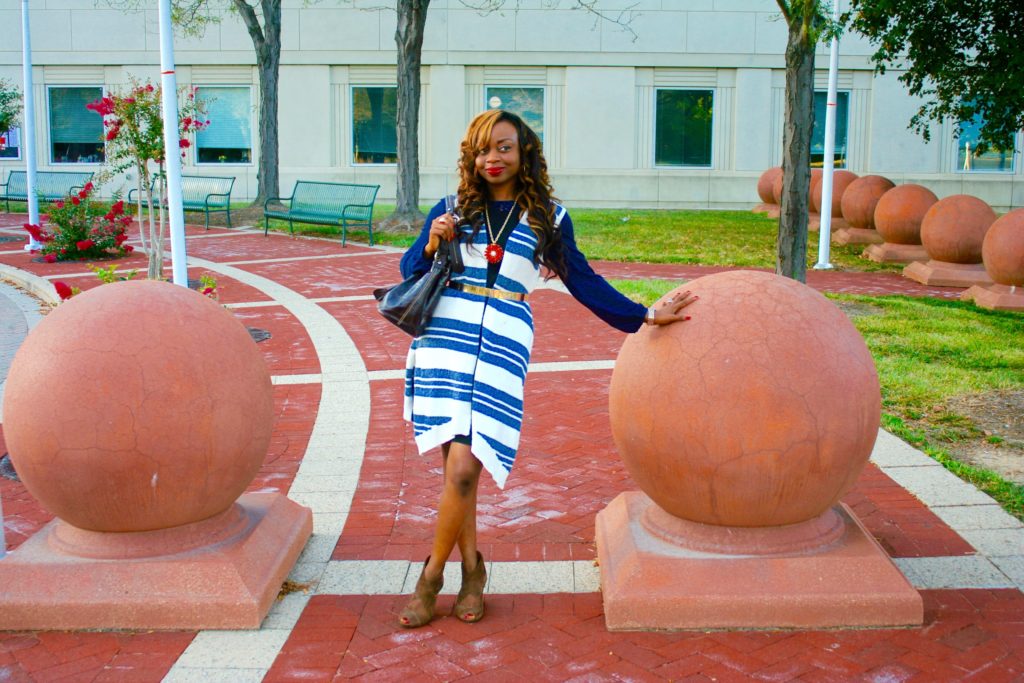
(465, 374)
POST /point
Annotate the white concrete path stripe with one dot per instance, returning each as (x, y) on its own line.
(298, 258)
(324, 300)
(326, 481)
(398, 577)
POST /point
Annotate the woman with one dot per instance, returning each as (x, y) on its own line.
(465, 373)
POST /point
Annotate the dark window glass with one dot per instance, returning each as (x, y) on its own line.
(528, 103)
(76, 133)
(683, 122)
(374, 125)
(10, 144)
(228, 138)
(818, 135)
(992, 160)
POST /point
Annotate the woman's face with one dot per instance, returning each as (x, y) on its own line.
(498, 164)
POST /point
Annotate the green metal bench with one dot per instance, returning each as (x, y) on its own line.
(50, 185)
(209, 194)
(325, 204)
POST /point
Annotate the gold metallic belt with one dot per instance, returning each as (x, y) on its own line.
(487, 291)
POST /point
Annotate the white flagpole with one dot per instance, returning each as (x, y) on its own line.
(825, 224)
(28, 137)
(172, 151)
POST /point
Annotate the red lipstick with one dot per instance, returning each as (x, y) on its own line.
(495, 171)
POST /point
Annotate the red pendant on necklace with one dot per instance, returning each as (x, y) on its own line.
(493, 253)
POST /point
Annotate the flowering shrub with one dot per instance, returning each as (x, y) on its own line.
(207, 283)
(81, 229)
(134, 133)
(10, 105)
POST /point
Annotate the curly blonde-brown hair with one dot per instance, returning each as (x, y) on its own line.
(533, 187)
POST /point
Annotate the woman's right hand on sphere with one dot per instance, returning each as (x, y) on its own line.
(443, 228)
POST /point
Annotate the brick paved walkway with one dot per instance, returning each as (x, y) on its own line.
(348, 455)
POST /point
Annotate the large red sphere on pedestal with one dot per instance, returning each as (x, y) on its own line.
(138, 406)
(760, 411)
(840, 181)
(860, 199)
(777, 187)
(1003, 249)
(899, 213)
(954, 228)
(765, 184)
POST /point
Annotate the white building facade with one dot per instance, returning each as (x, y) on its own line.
(686, 115)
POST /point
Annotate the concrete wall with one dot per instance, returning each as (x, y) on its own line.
(599, 80)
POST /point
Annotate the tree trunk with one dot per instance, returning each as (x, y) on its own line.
(269, 64)
(412, 16)
(791, 259)
(266, 40)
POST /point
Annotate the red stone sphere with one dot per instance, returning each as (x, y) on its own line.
(954, 228)
(1003, 249)
(765, 184)
(138, 406)
(760, 411)
(840, 181)
(899, 213)
(861, 197)
(777, 186)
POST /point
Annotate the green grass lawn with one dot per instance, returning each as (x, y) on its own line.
(737, 238)
(927, 351)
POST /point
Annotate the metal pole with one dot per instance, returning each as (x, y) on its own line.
(825, 221)
(28, 136)
(172, 150)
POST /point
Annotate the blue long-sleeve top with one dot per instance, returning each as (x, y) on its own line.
(589, 288)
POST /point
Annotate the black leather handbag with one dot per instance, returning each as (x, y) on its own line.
(411, 302)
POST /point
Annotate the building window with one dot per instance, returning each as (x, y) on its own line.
(374, 125)
(10, 143)
(76, 133)
(991, 160)
(842, 125)
(228, 138)
(526, 102)
(682, 127)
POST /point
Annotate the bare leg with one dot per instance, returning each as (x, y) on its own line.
(456, 513)
(456, 510)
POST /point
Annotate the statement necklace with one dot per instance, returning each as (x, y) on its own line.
(494, 252)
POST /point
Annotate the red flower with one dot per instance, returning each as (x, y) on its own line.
(34, 230)
(187, 121)
(112, 133)
(117, 208)
(82, 194)
(88, 187)
(50, 258)
(63, 291)
(103, 106)
(76, 201)
(60, 204)
(184, 144)
(149, 87)
(85, 245)
(208, 291)
(128, 248)
(120, 238)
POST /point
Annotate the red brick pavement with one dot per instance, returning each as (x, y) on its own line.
(321, 278)
(567, 470)
(969, 635)
(94, 657)
(250, 247)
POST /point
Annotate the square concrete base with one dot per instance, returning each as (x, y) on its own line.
(887, 252)
(850, 235)
(941, 274)
(997, 297)
(648, 583)
(229, 585)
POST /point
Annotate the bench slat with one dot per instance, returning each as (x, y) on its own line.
(327, 203)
